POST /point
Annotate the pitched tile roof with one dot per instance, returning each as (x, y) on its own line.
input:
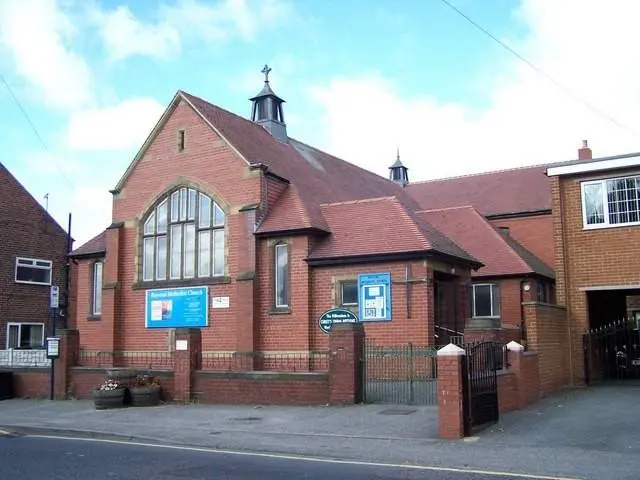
(515, 190)
(96, 245)
(499, 252)
(14, 197)
(379, 226)
(316, 178)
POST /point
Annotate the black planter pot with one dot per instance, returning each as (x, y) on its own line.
(108, 399)
(145, 396)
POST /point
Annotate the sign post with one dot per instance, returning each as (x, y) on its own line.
(53, 347)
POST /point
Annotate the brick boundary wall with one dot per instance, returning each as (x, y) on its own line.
(548, 335)
(518, 386)
(187, 381)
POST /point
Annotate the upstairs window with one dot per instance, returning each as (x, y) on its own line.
(485, 300)
(34, 271)
(612, 202)
(183, 238)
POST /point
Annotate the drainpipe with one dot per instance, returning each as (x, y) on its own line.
(523, 327)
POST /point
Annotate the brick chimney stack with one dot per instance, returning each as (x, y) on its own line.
(584, 152)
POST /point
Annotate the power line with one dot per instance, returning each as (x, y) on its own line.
(538, 70)
(35, 130)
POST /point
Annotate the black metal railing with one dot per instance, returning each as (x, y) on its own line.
(612, 351)
(151, 360)
(400, 374)
(275, 361)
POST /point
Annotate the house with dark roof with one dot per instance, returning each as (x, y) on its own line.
(33, 257)
(227, 224)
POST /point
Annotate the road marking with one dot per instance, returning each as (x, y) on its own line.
(493, 473)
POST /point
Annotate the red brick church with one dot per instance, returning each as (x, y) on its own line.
(227, 224)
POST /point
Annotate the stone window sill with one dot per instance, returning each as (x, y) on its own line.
(192, 282)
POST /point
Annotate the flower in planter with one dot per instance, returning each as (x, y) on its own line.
(110, 385)
(147, 380)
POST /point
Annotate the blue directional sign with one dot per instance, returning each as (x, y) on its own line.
(374, 297)
(177, 307)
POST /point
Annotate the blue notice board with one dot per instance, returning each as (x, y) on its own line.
(374, 297)
(177, 307)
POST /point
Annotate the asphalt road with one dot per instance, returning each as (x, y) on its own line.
(37, 458)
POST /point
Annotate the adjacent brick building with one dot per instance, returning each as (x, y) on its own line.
(33, 256)
(596, 219)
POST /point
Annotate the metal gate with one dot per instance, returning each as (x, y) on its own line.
(399, 374)
(480, 385)
(612, 352)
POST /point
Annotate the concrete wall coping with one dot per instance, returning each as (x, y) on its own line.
(451, 350)
(514, 346)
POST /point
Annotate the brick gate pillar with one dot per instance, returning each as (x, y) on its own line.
(450, 392)
(69, 350)
(187, 359)
(345, 363)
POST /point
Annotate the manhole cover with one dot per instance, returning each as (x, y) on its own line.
(248, 419)
(396, 411)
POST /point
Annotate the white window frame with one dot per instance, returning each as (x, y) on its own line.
(605, 203)
(342, 302)
(33, 265)
(277, 278)
(492, 286)
(19, 325)
(97, 309)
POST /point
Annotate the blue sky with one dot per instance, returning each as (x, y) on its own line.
(360, 77)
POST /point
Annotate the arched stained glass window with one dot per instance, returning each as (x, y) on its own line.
(183, 238)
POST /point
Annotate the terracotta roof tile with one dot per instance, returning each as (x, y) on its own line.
(501, 254)
(516, 190)
(97, 244)
(317, 177)
(290, 212)
(378, 226)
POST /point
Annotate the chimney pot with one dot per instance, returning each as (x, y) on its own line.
(584, 152)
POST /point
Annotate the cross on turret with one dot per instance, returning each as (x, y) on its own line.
(266, 70)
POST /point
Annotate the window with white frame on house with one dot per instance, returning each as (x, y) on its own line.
(33, 270)
(348, 293)
(25, 335)
(485, 300)
(611, 202)
(183, 237)
(96, 292)
(281, 251)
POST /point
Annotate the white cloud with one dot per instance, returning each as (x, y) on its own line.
(47, 164)
(586, 45)
(38, 36)
(91, 211)
(227, 18)
(124, 35)
(119, 127)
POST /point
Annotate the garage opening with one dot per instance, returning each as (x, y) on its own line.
(612, 342)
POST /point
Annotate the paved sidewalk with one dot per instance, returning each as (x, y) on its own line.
(189, 423)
